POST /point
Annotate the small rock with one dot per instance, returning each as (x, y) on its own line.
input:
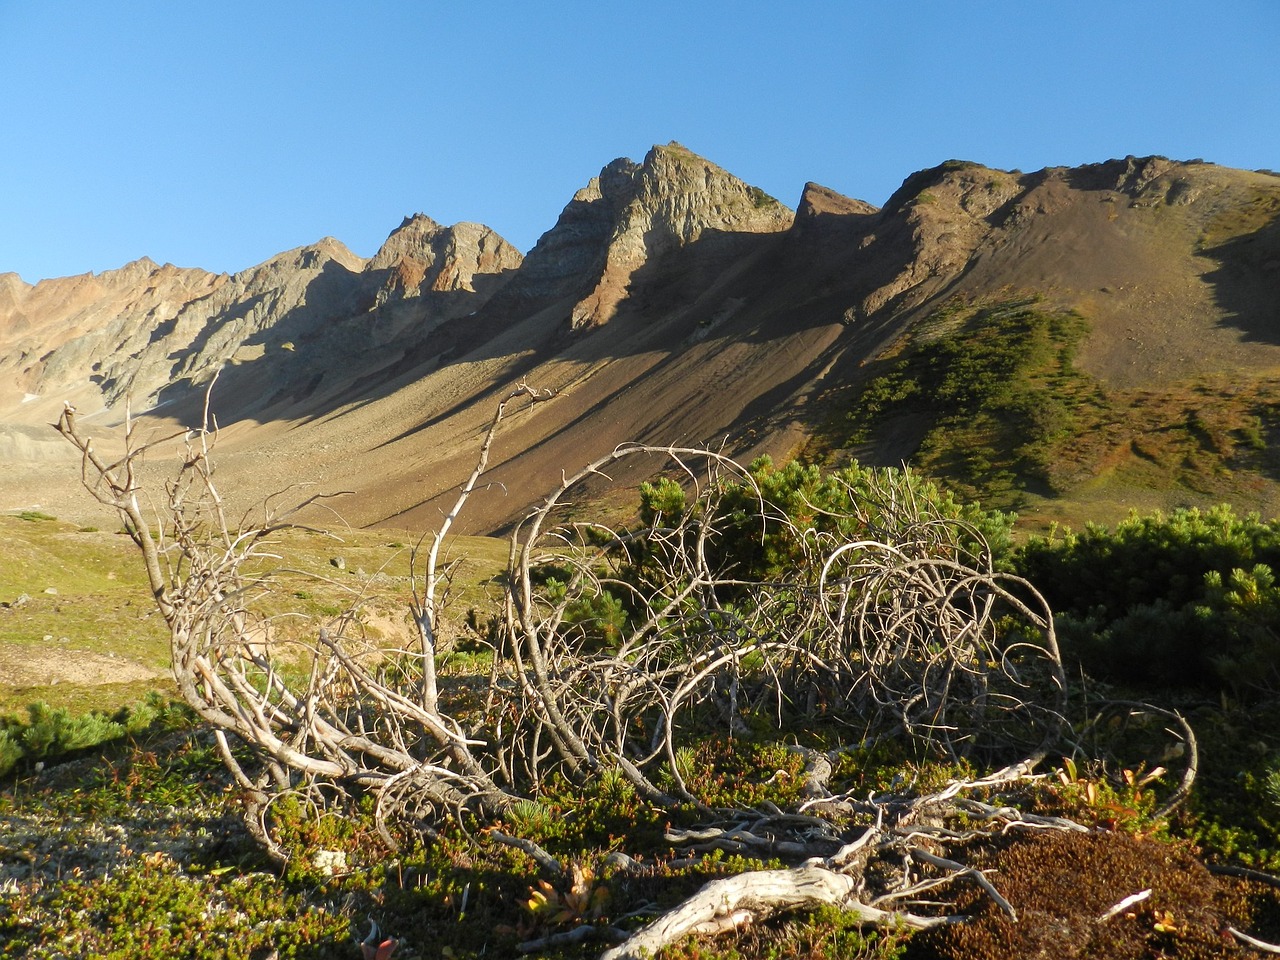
(338, 562)
(51, 591)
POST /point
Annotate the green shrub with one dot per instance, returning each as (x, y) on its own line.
(600, 618)
(48, 731)
(10, 751)
(995, 385)
(767, 519)
(53, 730)
(1186, 600)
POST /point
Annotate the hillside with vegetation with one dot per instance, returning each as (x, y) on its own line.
(770, 713)
(672, 302)
(970, 593)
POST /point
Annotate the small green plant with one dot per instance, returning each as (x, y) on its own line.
(34, 516)
(530, 817)
(1125, 804)
(759, 199)
(1270, 784)
(581, 901)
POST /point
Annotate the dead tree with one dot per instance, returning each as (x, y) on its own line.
(905, 630)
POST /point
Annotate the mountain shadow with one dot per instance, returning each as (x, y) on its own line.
(1246, 281)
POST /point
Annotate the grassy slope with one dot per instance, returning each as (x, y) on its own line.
(101, 609)
(65, 648)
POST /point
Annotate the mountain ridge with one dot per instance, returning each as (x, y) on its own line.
(670, 302)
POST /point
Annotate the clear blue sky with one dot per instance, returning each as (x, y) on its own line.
(215, 135)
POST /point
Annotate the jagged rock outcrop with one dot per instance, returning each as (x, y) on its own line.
(929, 229)
(55, 332)
(574, 250)
(819, 203)
(143, 330)
(633, 215)
(424, 276)
(421, 255)
(677, 199)
(250, 314)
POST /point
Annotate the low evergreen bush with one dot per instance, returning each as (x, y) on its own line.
(1187, 599)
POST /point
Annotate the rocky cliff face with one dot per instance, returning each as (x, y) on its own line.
(676, 199)
(54, 334)
(144, 329)
(422, 256)
(634, 215)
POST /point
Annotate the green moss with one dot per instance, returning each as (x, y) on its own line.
(34, 516)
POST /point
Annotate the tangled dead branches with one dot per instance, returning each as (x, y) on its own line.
(886, 636)
(886, 619)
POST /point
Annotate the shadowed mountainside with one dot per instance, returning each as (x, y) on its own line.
(671, 303)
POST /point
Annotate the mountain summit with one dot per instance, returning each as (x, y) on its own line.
(631, 216)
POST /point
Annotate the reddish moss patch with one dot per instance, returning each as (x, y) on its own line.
(1061, 883)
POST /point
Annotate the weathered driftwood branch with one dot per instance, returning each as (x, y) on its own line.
(731, 902)
(962, 871)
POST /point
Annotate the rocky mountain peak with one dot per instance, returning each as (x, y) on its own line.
(422, 255)
(12, 287)
(308, 259)
(817, 201)
(131, 272)
(412, 238)
(633, 214)
(683, 195)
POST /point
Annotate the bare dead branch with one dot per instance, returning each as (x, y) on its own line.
(732, 902)
(544, 860)
(1257, 944)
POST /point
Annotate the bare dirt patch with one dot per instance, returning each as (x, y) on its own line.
(55, 665)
